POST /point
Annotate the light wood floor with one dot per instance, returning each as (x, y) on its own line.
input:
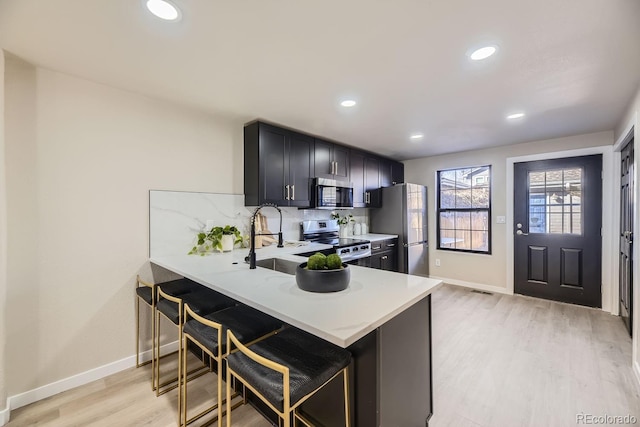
(498, 361)
(519, 361)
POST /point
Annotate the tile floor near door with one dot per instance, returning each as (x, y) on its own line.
(499, 361)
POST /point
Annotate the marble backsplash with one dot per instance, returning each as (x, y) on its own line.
(176, 217)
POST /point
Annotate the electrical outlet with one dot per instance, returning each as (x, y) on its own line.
(501, 220)
(437, 262)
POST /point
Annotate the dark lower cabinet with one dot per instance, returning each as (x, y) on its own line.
(384, 255)
(391, 376)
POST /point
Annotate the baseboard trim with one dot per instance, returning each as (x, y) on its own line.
(48, 390)
(4, 414)
(472, 285)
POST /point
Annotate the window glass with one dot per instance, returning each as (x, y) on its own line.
(464, 209)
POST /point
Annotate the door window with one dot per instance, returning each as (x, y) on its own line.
(555, 201)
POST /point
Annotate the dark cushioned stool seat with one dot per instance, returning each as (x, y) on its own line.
(202, 302)
(174, 287)
(311, 360)
(144, 292)
(246, 323)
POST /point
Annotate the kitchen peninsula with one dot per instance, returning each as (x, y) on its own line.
(383, 318)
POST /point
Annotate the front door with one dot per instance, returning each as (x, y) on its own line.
(557, 235)
(626, 234)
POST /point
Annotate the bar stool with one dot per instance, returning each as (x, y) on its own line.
(146, 292)
(203, 301)
(286, 369)
(206, 332)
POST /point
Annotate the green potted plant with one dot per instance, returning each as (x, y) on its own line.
(323, 274)
(343, 222)
(221, 239)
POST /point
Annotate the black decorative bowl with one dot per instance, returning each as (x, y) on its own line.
(323, 280)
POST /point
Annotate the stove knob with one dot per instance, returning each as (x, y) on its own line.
(344, 251)
(355, 249)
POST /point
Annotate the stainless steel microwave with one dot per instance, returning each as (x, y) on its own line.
(330, 194)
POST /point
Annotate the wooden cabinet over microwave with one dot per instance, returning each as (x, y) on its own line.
(278, 166)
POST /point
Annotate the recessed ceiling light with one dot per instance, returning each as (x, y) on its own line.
(348, 103)
(515, 116)
(163, 9)
(416, 136)
(483, 53)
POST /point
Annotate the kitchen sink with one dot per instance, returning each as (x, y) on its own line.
(277, 264)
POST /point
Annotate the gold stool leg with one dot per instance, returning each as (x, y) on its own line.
(347, 421)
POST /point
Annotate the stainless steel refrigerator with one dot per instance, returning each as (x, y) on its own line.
(404, 212)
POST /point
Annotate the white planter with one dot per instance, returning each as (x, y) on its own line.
(227, 242)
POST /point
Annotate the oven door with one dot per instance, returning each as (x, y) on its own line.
(362, 262)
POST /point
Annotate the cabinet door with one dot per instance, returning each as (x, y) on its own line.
(323, 159)
(371, 180)
(385, 173)
(375, 261)
(357, 178)
(301, 149)
(391, 246)
(386, 261)
(397, 173)
(341, 160)
(274, 165)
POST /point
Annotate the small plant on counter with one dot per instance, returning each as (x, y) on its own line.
(212, 240)
(342, 220)
(319, 261)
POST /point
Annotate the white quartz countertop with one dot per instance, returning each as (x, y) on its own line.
(374, 237)
(372, 298)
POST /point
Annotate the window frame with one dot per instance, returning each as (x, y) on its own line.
(440, 210)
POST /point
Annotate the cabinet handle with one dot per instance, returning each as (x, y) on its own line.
(384, 257)
(375, 247)
(293, 192)
(287, 196)
(336, 169)
(333, 168)
(390, 245)
(367, 197)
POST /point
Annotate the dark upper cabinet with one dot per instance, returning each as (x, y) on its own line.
(365, 176)
(391, 172)
(397, 172)
(357, 178)
(331, 160)
(278, 166)
(372, 182)
(370, 172)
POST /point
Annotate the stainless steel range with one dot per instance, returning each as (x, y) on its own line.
(352, 251)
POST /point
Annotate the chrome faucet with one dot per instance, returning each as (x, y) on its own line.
(251, 258)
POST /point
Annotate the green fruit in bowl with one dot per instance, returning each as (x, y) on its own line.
(334, 262)
(317, 261)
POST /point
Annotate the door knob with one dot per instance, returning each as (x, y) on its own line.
(520, 233)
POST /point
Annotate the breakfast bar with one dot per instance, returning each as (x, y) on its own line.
(383, 318)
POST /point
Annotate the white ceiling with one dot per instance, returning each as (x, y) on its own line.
(571, 65)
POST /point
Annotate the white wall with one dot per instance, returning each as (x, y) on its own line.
(81, 158)
(632, 118)
(4, 412)
(485, 271)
